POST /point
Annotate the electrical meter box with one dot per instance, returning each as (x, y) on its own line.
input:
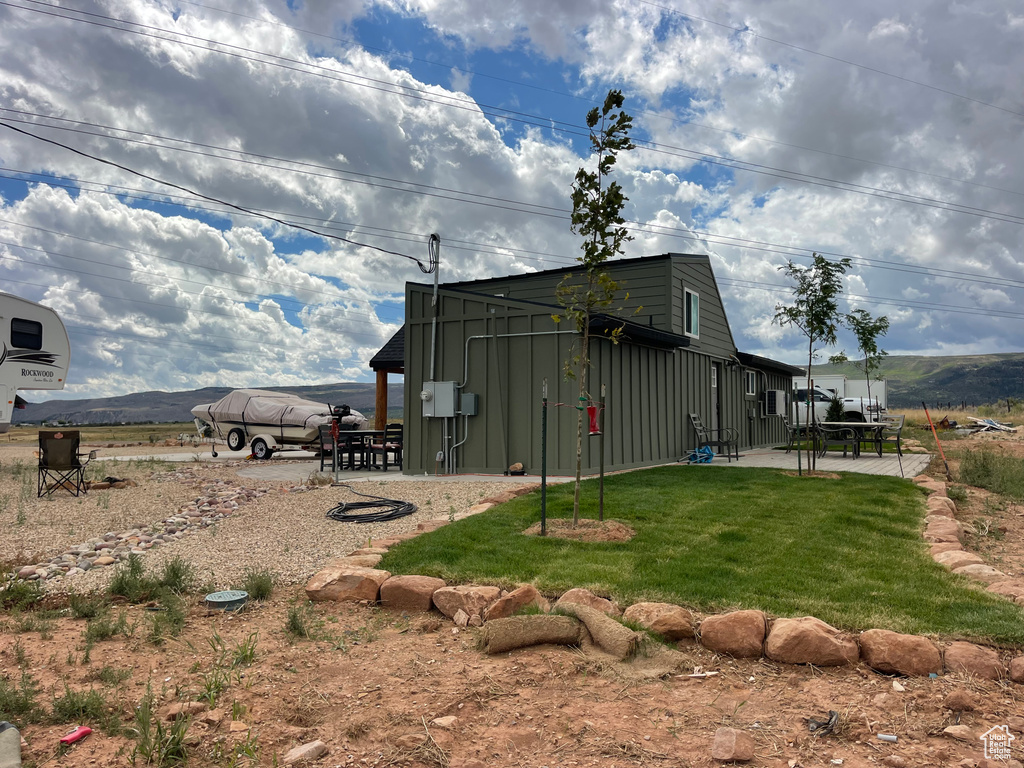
(438, 399)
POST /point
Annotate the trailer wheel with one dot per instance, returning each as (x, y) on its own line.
(260, 449)
(236, 440)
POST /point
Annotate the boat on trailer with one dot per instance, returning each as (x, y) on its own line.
(265, 421)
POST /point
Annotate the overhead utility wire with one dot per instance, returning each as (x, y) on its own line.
(210, 198)
(146, 302)
(748, 31)
(693, 235)
(569, 95)
(472, 106)
(664, 149)
(298, 304)
(922, 305)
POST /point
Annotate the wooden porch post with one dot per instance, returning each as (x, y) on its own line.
(380, 418)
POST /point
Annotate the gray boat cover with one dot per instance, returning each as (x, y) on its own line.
(260, 407)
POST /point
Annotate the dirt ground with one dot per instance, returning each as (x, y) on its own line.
(370, 683)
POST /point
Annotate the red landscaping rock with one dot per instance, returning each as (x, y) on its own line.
(346, 584)
(894, 653)
(1013, 588)
(972, 659)
(1017, 669)
(732, 745)
(671, 621)
(739, 634)
(410, 593)
(934, 487)
(314, 750)
(944, 546)
(957, 558)
(981, 572)
(941, 505)
(808, 640)
(586, 597)
(469, 599)
(357, 561)
(515, 600)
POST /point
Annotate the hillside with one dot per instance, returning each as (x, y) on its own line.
(176, 406)
(974, 379)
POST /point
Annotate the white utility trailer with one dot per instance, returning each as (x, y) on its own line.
(34, 352)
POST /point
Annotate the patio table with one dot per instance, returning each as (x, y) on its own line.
(863, 429)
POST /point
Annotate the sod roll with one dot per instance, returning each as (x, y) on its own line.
(502, 635)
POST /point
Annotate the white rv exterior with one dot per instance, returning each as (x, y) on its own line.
(34, 351)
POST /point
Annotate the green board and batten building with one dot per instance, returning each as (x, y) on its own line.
(496, 339)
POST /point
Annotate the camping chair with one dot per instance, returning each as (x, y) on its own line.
(892, 432)
(390, 443)
(845, 436)
(727, 437)
(60, 464)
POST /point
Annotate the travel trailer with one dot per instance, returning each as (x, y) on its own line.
(34, 352)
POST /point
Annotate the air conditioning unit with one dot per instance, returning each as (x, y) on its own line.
(775, 402)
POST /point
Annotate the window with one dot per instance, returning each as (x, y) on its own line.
(691, 313)
(26, 334)
(714, 376)
(750, 378)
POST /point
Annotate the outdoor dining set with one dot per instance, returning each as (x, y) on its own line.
(851, 436)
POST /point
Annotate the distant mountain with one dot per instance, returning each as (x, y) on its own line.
(973, 379)
(163, 407)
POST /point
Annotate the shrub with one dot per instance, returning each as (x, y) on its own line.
(18, 700)
(258, 583)
(993, 471)
(20, 595)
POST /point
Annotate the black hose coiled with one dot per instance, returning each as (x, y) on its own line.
(389, 509)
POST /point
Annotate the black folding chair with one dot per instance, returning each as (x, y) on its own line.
(726, 438)
(326, 444)
(60, 464)
(389, 444)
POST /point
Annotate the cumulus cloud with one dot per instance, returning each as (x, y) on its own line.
(761, 141)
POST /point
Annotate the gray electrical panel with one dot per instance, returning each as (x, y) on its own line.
(438, 399)
(469, 404)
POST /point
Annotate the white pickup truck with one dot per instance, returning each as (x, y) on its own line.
(854, 408)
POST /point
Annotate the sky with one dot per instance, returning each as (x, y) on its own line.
(155, 157)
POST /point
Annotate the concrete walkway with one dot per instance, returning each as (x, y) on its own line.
(297, 466)
(868, 464)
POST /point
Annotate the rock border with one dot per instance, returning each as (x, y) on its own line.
(742, 634)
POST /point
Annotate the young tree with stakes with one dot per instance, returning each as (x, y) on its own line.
(867, 330)
(596, 216)
(814, 310)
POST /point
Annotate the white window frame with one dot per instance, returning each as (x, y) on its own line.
(691, 320)
(714, 377)
(750, 383)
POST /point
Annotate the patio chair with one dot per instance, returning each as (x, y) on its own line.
(326, 446)
(726, 438)
(793, 433)
(892, 432)
(847, 437)
(389, 444)
(60, 463)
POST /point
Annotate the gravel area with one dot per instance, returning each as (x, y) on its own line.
(286, 530)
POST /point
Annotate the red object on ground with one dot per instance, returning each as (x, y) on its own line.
(76, 735)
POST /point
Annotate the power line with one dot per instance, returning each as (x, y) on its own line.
(747, 30)
(467, 104)
(572, 96)
(211, 198)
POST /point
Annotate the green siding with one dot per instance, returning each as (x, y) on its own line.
(650, 390)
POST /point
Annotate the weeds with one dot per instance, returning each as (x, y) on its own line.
(215, 682)
(112, 675)
(168, 618)
(179, 576)
(18, 700)
(84, 607)
(20, 595)
(258, 583)
(245, 652)
(302, 623)
(86, 707)
(130, 581)
(993, 471)
(158, 744)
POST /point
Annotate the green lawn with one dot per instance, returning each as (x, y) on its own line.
(848, 551)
